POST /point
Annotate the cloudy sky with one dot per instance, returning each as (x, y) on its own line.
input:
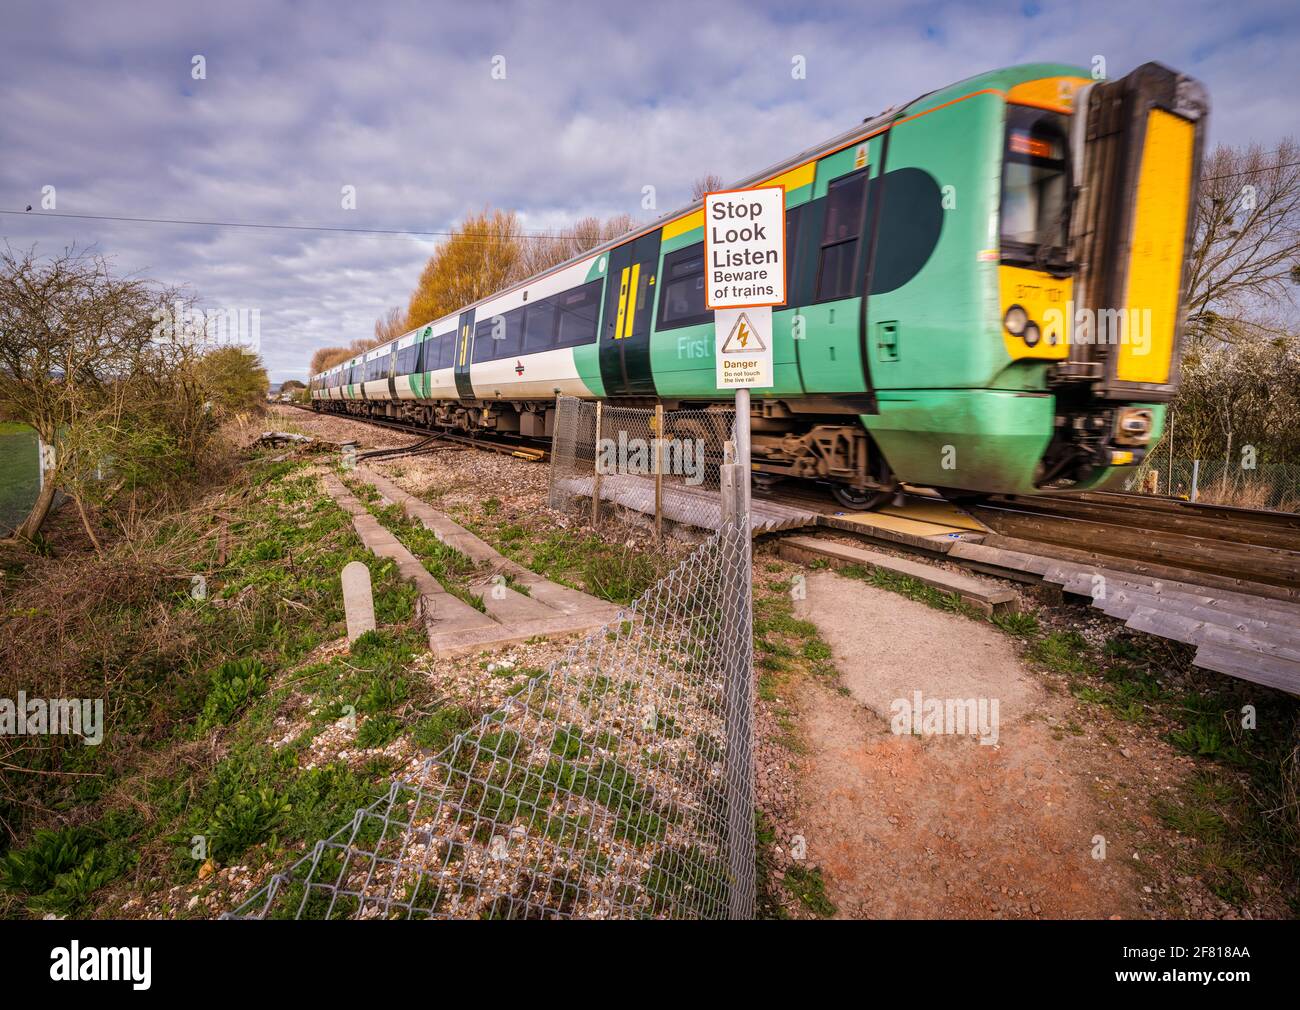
(400, 101)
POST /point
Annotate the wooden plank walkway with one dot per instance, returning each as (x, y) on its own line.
(690, 505)
(453, 626)
(989, 599)
(1240, 634)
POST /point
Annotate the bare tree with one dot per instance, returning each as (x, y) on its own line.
(541, 252)
(710, 183)
(391, 324)
(1246, 253)
(75, 341)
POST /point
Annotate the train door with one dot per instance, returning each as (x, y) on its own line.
(464, 354)
(834, 248)
(629, 305)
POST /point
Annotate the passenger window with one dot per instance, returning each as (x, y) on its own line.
(845, 202)
(483, 340)
(539, 326)
(447, 350)
(509, 345)
(682, 303)
(792, 217)
(578, 313)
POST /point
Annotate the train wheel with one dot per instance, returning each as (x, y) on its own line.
(766, 481)
(858, 499)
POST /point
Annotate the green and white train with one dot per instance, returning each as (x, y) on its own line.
(985, 294)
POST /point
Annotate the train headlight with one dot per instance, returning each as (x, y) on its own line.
(1031, 335)
(1016, 320)
(1133, 426)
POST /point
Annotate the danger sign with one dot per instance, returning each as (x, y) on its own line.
(743, 338)
(744, 248)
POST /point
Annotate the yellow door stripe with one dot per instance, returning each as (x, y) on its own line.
(631, 299)
(464, 344)
(622, 304)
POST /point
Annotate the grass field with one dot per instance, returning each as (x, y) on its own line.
(19, 480)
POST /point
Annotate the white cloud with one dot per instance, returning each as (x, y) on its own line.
(397, 100)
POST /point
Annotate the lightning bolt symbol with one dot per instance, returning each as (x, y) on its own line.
(743, 335)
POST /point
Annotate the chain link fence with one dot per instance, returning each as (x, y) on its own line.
(1266, 486)
(664, 463)
(619, 784)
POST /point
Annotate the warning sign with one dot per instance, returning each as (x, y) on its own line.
(744, 248)
(743, 338)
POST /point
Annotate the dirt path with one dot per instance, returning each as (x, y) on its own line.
(944, 826)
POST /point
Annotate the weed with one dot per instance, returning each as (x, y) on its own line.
(234, 684)
(806, 884)
(1063, 652)
(1023, 624)
(619, 576)
(436, 732)
(245, 820)
(377, 731)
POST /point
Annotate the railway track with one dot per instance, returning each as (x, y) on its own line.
(1221, 547)
(1221, 578)
(531, 449)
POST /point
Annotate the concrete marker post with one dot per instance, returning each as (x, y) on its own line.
(358, 600)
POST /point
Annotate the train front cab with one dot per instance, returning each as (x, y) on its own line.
(1066, 233)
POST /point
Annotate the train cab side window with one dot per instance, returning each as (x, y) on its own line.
(578, 312)
(841, 237)
(682, 300)
(539, 326)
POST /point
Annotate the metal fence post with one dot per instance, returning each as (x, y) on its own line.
(659, 470)
(1196, 473)
(739, 688)
(595, 478)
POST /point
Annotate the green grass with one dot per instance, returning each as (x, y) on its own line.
(912, 588)
(806, 884)
(449, 566)
(221, 669)
(612, 572)
(19, 473)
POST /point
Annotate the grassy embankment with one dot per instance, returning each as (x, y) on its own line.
(211, 706)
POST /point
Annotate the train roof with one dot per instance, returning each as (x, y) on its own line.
(993, 80)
